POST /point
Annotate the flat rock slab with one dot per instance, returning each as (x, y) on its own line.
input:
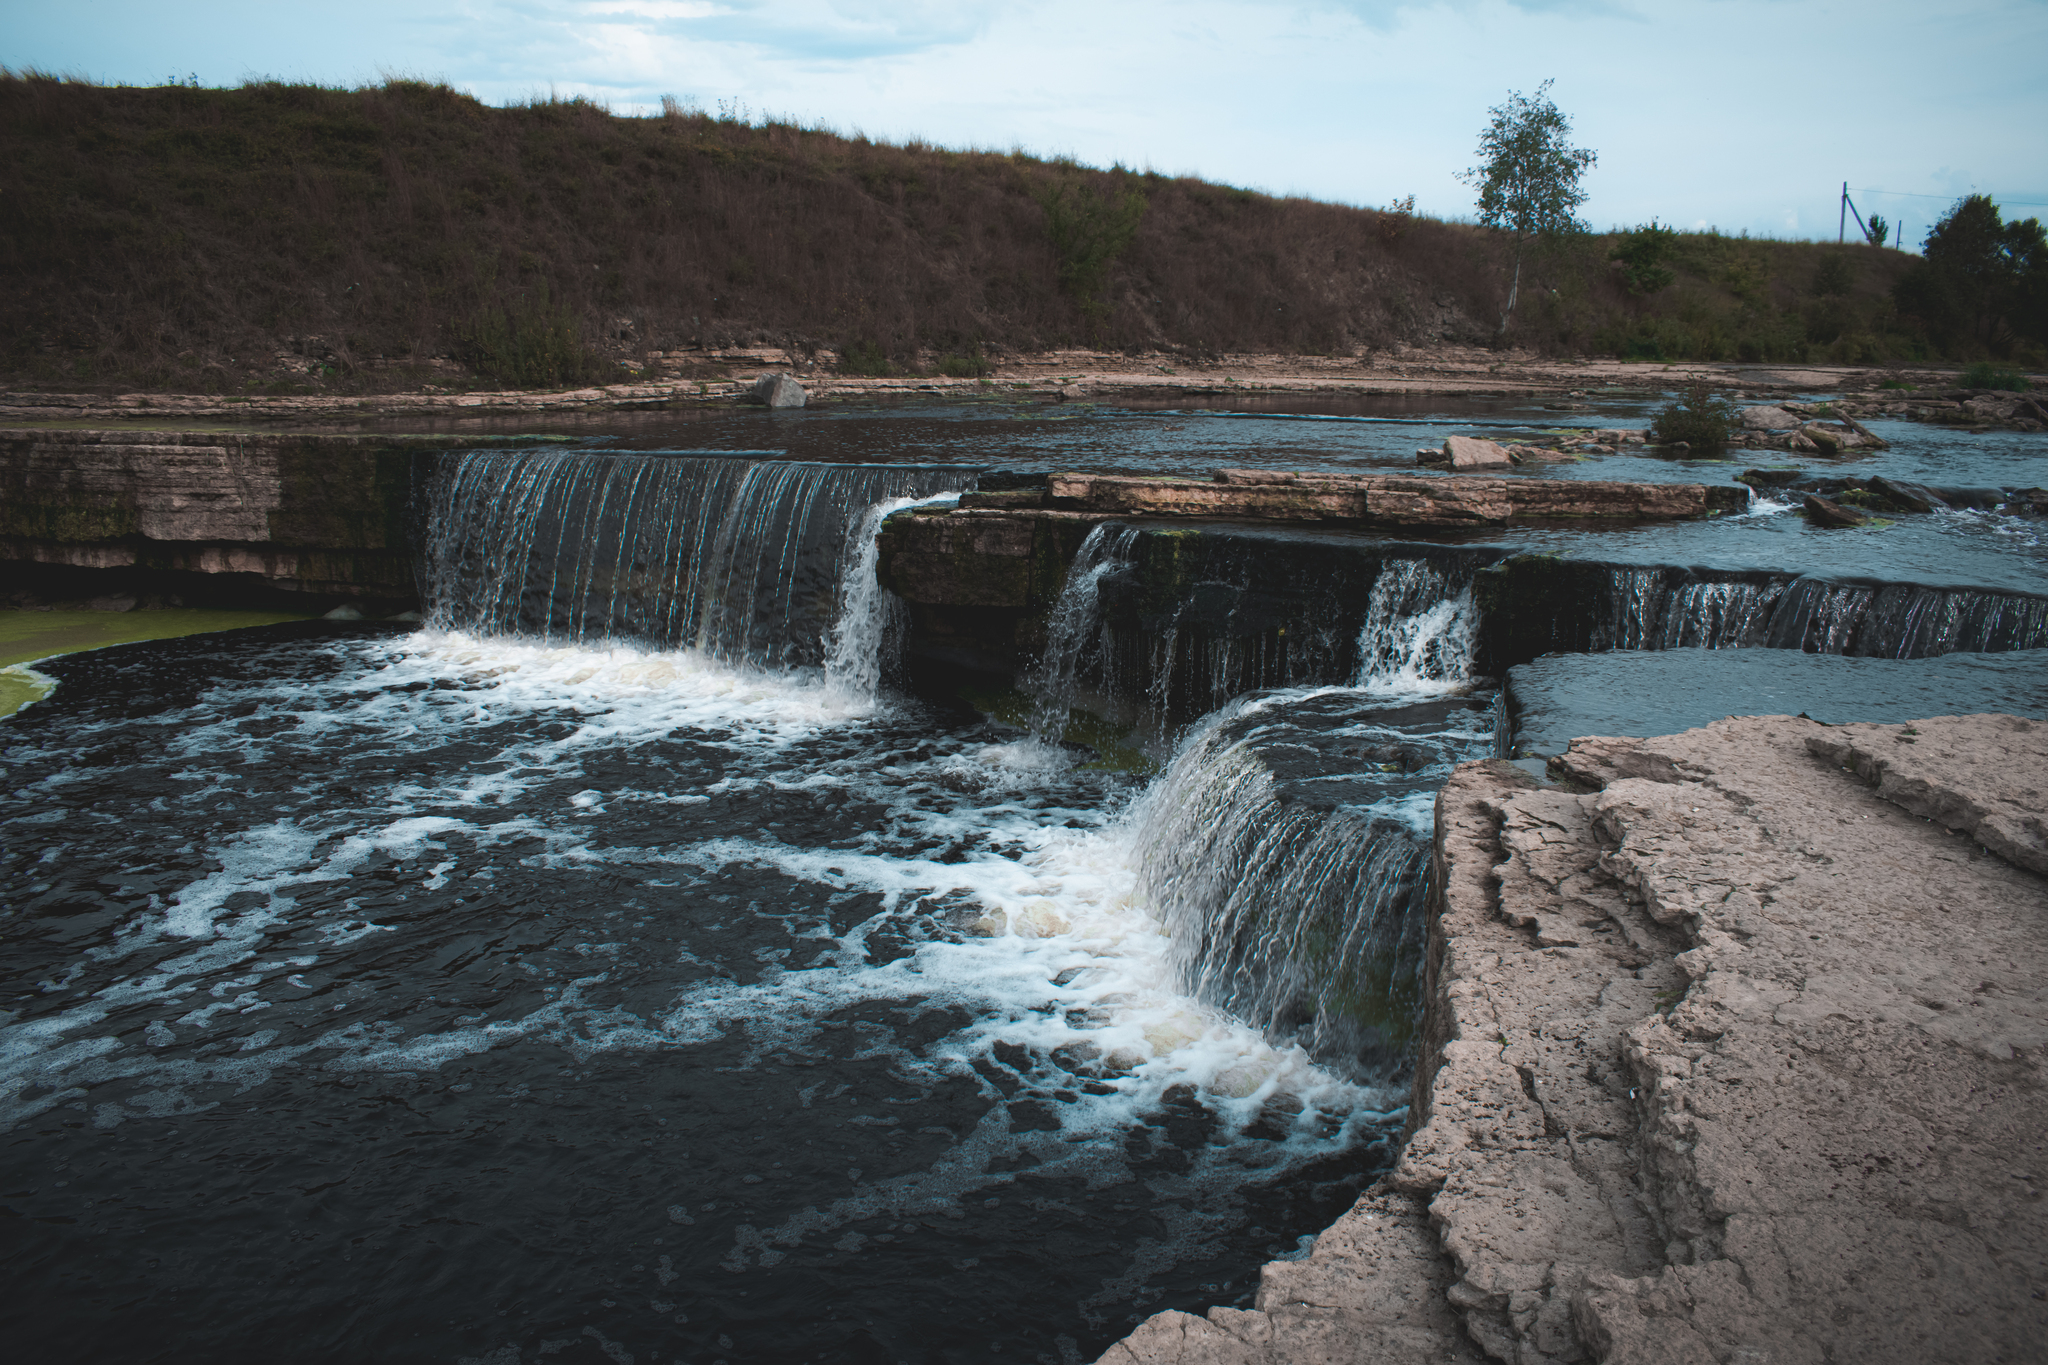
(1732, 1050)
(1389, 499)
(1984, 775)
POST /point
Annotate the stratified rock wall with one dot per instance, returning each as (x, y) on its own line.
(1731, 1052)
(325, 516)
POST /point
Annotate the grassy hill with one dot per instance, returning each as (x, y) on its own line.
(279, 238)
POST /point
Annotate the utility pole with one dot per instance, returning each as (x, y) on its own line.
(1842, 218)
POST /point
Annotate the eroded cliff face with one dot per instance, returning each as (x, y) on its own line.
(1733, 1050)
(212, 515)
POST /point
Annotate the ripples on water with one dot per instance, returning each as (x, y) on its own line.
(424, 996)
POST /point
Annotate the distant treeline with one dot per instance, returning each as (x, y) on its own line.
(273, 237)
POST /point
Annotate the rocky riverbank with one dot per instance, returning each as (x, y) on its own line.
(720, 377)
(295, 523)
(1732, 1050)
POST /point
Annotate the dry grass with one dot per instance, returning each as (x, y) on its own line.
(278, 237)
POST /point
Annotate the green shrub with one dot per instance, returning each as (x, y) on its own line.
(1089, 229)
(1700, 417)
(867, 360)
(532, 343)
(1985, 375)
(975, 366)
(1642, 254)
(1835, 277)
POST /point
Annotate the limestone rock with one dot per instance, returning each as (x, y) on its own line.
(1937, 769)
(1468, 452)
(1824, 512)
(1375, 1288)
(1779, 1039)
(1767, 418)
(312, 514)
(1385, 499)
(1827, 439)
(1914, 497)
(778, 391)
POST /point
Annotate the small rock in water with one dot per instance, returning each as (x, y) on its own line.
(1821, 512)
(1914, 497)
(1768, 418)
(347, 611)
(1467, 452)
(779, 391)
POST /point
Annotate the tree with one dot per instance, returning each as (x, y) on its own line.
(1528, 177)
(1980, 277)
(1879, 229)
(1089, 230)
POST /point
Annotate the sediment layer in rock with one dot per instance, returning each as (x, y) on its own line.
(1729, 1053)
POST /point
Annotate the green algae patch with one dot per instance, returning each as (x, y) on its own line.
(26, 636)
(19, 686)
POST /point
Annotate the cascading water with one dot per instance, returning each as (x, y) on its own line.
(740, 559)
(869, 630)
(1421, 629)
(1286, 845)
(1071, 633)
(1654, 608)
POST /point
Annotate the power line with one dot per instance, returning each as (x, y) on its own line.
(1909, 194)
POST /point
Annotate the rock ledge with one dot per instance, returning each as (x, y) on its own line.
(1732, 1051)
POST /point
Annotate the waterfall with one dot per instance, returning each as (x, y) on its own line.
(1286, 848)
(1072, 630)
(1421, 629)
(872, 620)
(742, 559)
(1652, 608)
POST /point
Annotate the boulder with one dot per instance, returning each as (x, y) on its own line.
(1829, 440)
(1767, 418)
(1770, 478)
(779, 391)
(1821, 512)
(1914, 497)
(1864, 435)
(1468, 452)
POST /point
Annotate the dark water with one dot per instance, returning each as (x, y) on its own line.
(422, 997)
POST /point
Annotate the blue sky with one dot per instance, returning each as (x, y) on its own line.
(1740, 114)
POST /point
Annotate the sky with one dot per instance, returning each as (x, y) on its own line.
(1745, 115)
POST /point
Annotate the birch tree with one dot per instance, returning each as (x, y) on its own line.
(1528, 177)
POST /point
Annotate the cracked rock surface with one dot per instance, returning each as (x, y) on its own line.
(1732, 1051)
